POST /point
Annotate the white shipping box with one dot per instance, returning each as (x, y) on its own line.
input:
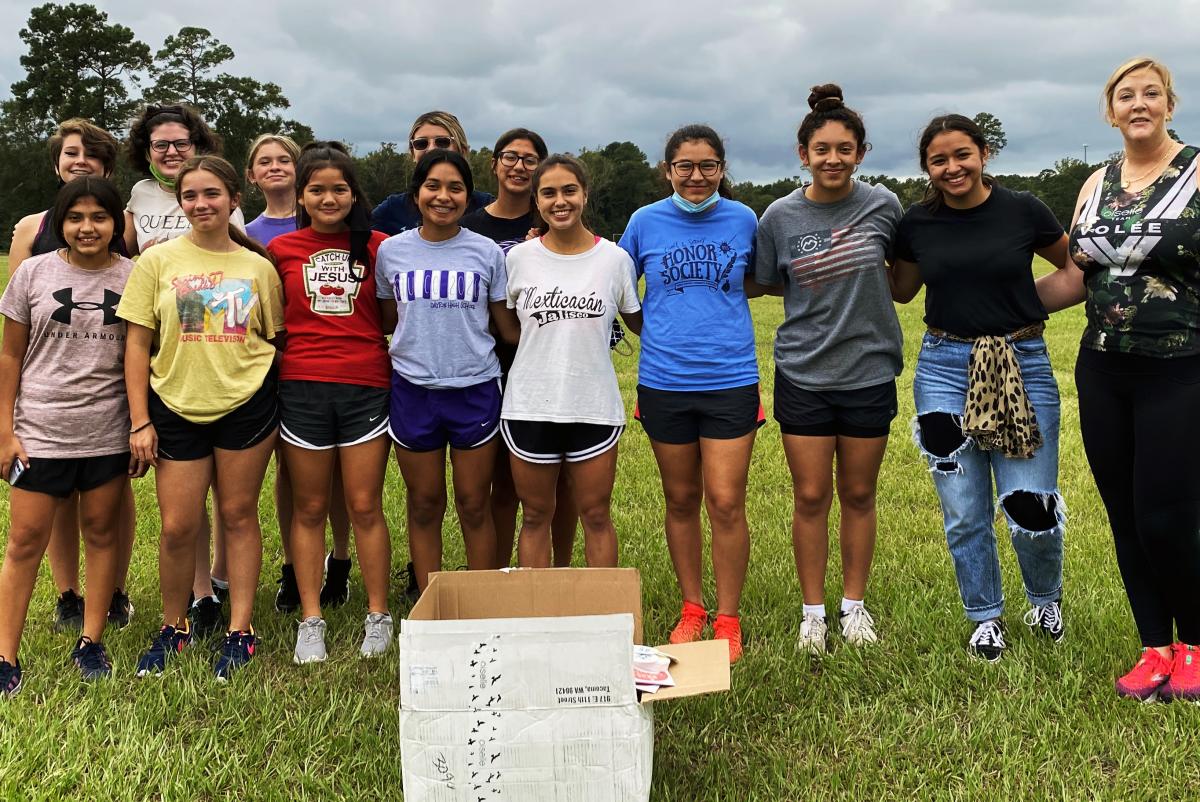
(538, 703)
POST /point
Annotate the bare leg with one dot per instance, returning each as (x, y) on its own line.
(31, 517)
(504, 507)
(726, 468)
(424, 475)
(566, 519)
(472, 501)
(683, 488)
(239, 478)
(592, 481)
(339, 518)
(64, 545)
(364, 467)
(858, 461)
(283, 504)
(810, 460)
(100, 520)
(181, 486)
(126, 535)
(536, 484)
(309, 473)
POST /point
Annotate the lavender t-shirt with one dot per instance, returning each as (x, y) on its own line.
(71, 402)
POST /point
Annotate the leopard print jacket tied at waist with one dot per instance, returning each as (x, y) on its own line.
(999, 415)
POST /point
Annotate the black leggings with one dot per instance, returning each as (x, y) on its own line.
(1140, 420)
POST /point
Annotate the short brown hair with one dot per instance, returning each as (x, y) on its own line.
(96, 142)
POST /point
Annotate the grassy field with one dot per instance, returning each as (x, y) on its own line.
(912, 718)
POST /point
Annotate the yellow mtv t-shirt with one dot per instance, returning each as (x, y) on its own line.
(212, 314)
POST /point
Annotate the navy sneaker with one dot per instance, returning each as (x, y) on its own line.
(120, 609)
(166, 644)
(68, 612)
(10, 677)
(91, 659)
(236, 651)
(206, 617)
(287, 598)
(336, 590)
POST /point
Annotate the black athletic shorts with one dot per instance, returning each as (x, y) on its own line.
(245, 427)
(865, 412)
(62, 477)
(683, 417)
(549, 443)
(322, 415)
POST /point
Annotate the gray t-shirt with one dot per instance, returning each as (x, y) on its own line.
(840, 330)
(442, 291)
(71, 403)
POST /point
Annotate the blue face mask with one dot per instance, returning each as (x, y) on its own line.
(695, 208)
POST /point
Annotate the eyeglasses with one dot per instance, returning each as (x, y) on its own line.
(180, 145)
(509, 158)
(708, 167)
(422, 142)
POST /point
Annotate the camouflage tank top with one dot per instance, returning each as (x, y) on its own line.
(1140, 254)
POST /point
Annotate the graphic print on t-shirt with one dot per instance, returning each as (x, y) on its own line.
(697, 263)
(67, 305)
(329, 284)
(820, 256)
(447, 289)
(202, 298)
(551, 306)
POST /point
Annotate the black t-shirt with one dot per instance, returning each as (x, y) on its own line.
(976, 263)
(505, 232)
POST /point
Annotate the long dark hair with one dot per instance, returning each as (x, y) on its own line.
(567, 162)
(433, 158)
(104, 192)
(699, 133)
(227, 175)
(317, 156)
(827, 104)
(938, 125)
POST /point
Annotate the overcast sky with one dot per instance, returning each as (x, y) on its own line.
(584, 75)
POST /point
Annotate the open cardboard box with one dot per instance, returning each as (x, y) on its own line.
(518, 685)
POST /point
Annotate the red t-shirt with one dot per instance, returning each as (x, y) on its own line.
(332, 320)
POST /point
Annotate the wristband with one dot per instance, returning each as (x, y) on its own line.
(137, 429)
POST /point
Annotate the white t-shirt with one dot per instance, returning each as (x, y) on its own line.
(157, 216)
(563, 371)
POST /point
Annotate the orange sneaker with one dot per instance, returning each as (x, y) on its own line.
(1146, 678)
(691, 624)
(729, 627)
(1184, 683)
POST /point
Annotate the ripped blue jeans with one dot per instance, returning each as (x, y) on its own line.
(962, 474)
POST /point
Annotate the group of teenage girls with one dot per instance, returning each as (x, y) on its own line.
(221, 346)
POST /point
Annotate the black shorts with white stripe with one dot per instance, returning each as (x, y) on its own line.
(550, 442)
(323, 415)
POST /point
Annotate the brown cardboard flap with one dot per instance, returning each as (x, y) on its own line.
(533, 593)
(699, 667)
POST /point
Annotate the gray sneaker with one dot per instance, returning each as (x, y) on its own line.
(310, 641)
(377, 635)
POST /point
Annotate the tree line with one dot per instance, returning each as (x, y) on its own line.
(78, 64)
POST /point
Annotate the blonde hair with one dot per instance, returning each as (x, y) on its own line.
(283, 141)
(446, 120)
(1134, 64)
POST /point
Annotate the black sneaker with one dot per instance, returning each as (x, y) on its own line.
(1047, 619)
(207, 618)
(68, 612)
(221, 590)
(10, 677)
(987, 641)
(412, 592)
(336, 590)
(120, 609)
(287, 598)
(91, 659)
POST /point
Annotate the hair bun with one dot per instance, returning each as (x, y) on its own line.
(825, 97)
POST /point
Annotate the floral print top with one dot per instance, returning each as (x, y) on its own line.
(1140, 254)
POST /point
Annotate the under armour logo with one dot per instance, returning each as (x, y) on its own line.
(67, 305)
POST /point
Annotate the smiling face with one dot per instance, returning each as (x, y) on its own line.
(832, 153)
(514, 179)
(74, 160)
(327, 199)
(955, 165)
(695, 186)
(168, 163)
(87, 229)
(273, 169)
(206, 201)
(561, 199)
(431, 136)
(1140, 105)
(442, 198)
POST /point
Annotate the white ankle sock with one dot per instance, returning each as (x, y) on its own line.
(815, 609)
(850, 604)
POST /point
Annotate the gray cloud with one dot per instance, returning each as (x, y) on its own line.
(587, 74)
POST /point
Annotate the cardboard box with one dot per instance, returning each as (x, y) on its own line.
(518, 685)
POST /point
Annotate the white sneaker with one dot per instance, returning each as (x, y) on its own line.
(310, 641)
(858, 627)
(813, 631)
(377, 635)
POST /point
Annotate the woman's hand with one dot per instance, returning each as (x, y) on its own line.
(143, 448)
(11, 450)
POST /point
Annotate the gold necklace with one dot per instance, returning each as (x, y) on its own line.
(1126, 183)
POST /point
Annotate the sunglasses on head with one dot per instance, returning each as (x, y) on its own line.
(422, 142)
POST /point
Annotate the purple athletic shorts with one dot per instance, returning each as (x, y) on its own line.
(425, 419)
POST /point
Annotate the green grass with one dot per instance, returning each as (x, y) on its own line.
(912, 718)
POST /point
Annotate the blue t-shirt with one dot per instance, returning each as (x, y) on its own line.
(397, 213)
(442, 291)
(697, 333)
(263, 229)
